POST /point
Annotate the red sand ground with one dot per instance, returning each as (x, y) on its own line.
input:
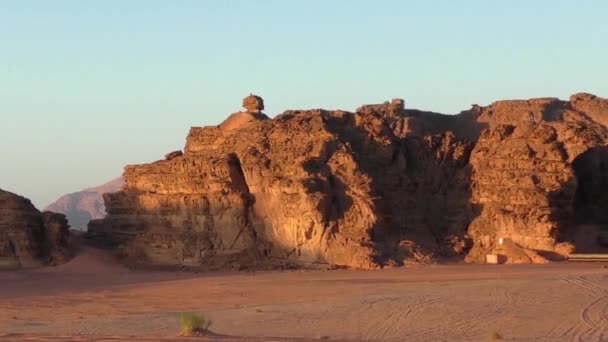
(94, 298)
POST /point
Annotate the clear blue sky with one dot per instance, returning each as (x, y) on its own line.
(87, 87)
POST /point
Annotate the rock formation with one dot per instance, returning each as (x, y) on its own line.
(85, 205)
(382, 186)
(29, 238)
(253, 105)
(523, 175)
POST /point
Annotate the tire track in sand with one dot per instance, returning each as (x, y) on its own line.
(388, 325)
(594, 316)
(461, 325)
(588, 287)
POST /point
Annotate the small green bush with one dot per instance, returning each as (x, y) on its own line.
(191, 323)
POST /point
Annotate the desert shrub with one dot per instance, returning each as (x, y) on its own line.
(191, 323)
(495, 336)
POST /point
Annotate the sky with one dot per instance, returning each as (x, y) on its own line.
(87, 87)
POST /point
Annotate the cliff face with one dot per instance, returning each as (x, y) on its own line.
(29, 238)
(86, 205)
(382, 186)
(523, 176)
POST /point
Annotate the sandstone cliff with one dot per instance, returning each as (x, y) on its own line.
(382, 186)
(85, 205)
(29, 238)
(523, 175)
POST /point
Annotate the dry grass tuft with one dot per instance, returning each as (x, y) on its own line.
(191, 323)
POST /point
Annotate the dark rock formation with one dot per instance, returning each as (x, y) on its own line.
(253, 104)
(382, 186)
(85, 205)
(173, 154)
(56, 235)
(29, 238)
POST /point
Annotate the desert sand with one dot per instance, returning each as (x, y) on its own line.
(93, 297)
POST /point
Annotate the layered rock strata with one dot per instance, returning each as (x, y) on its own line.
(382, 186)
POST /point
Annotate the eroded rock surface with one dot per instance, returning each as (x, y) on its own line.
(382, 186)
(29, 238)
(523, 177)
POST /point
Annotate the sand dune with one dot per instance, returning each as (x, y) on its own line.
(94, 298)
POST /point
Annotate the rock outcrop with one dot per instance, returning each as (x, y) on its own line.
(382, 186)
(523, 176)
(85, 205)
(254, 106)
(29, 238)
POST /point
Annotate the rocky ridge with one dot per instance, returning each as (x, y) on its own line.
(29, 238)
(382, 186)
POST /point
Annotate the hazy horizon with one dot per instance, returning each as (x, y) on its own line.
(90, 88)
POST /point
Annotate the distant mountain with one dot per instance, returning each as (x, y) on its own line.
(82, 206)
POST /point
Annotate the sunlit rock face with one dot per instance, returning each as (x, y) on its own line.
(523, 178)
(385, 185)
(29, 238)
